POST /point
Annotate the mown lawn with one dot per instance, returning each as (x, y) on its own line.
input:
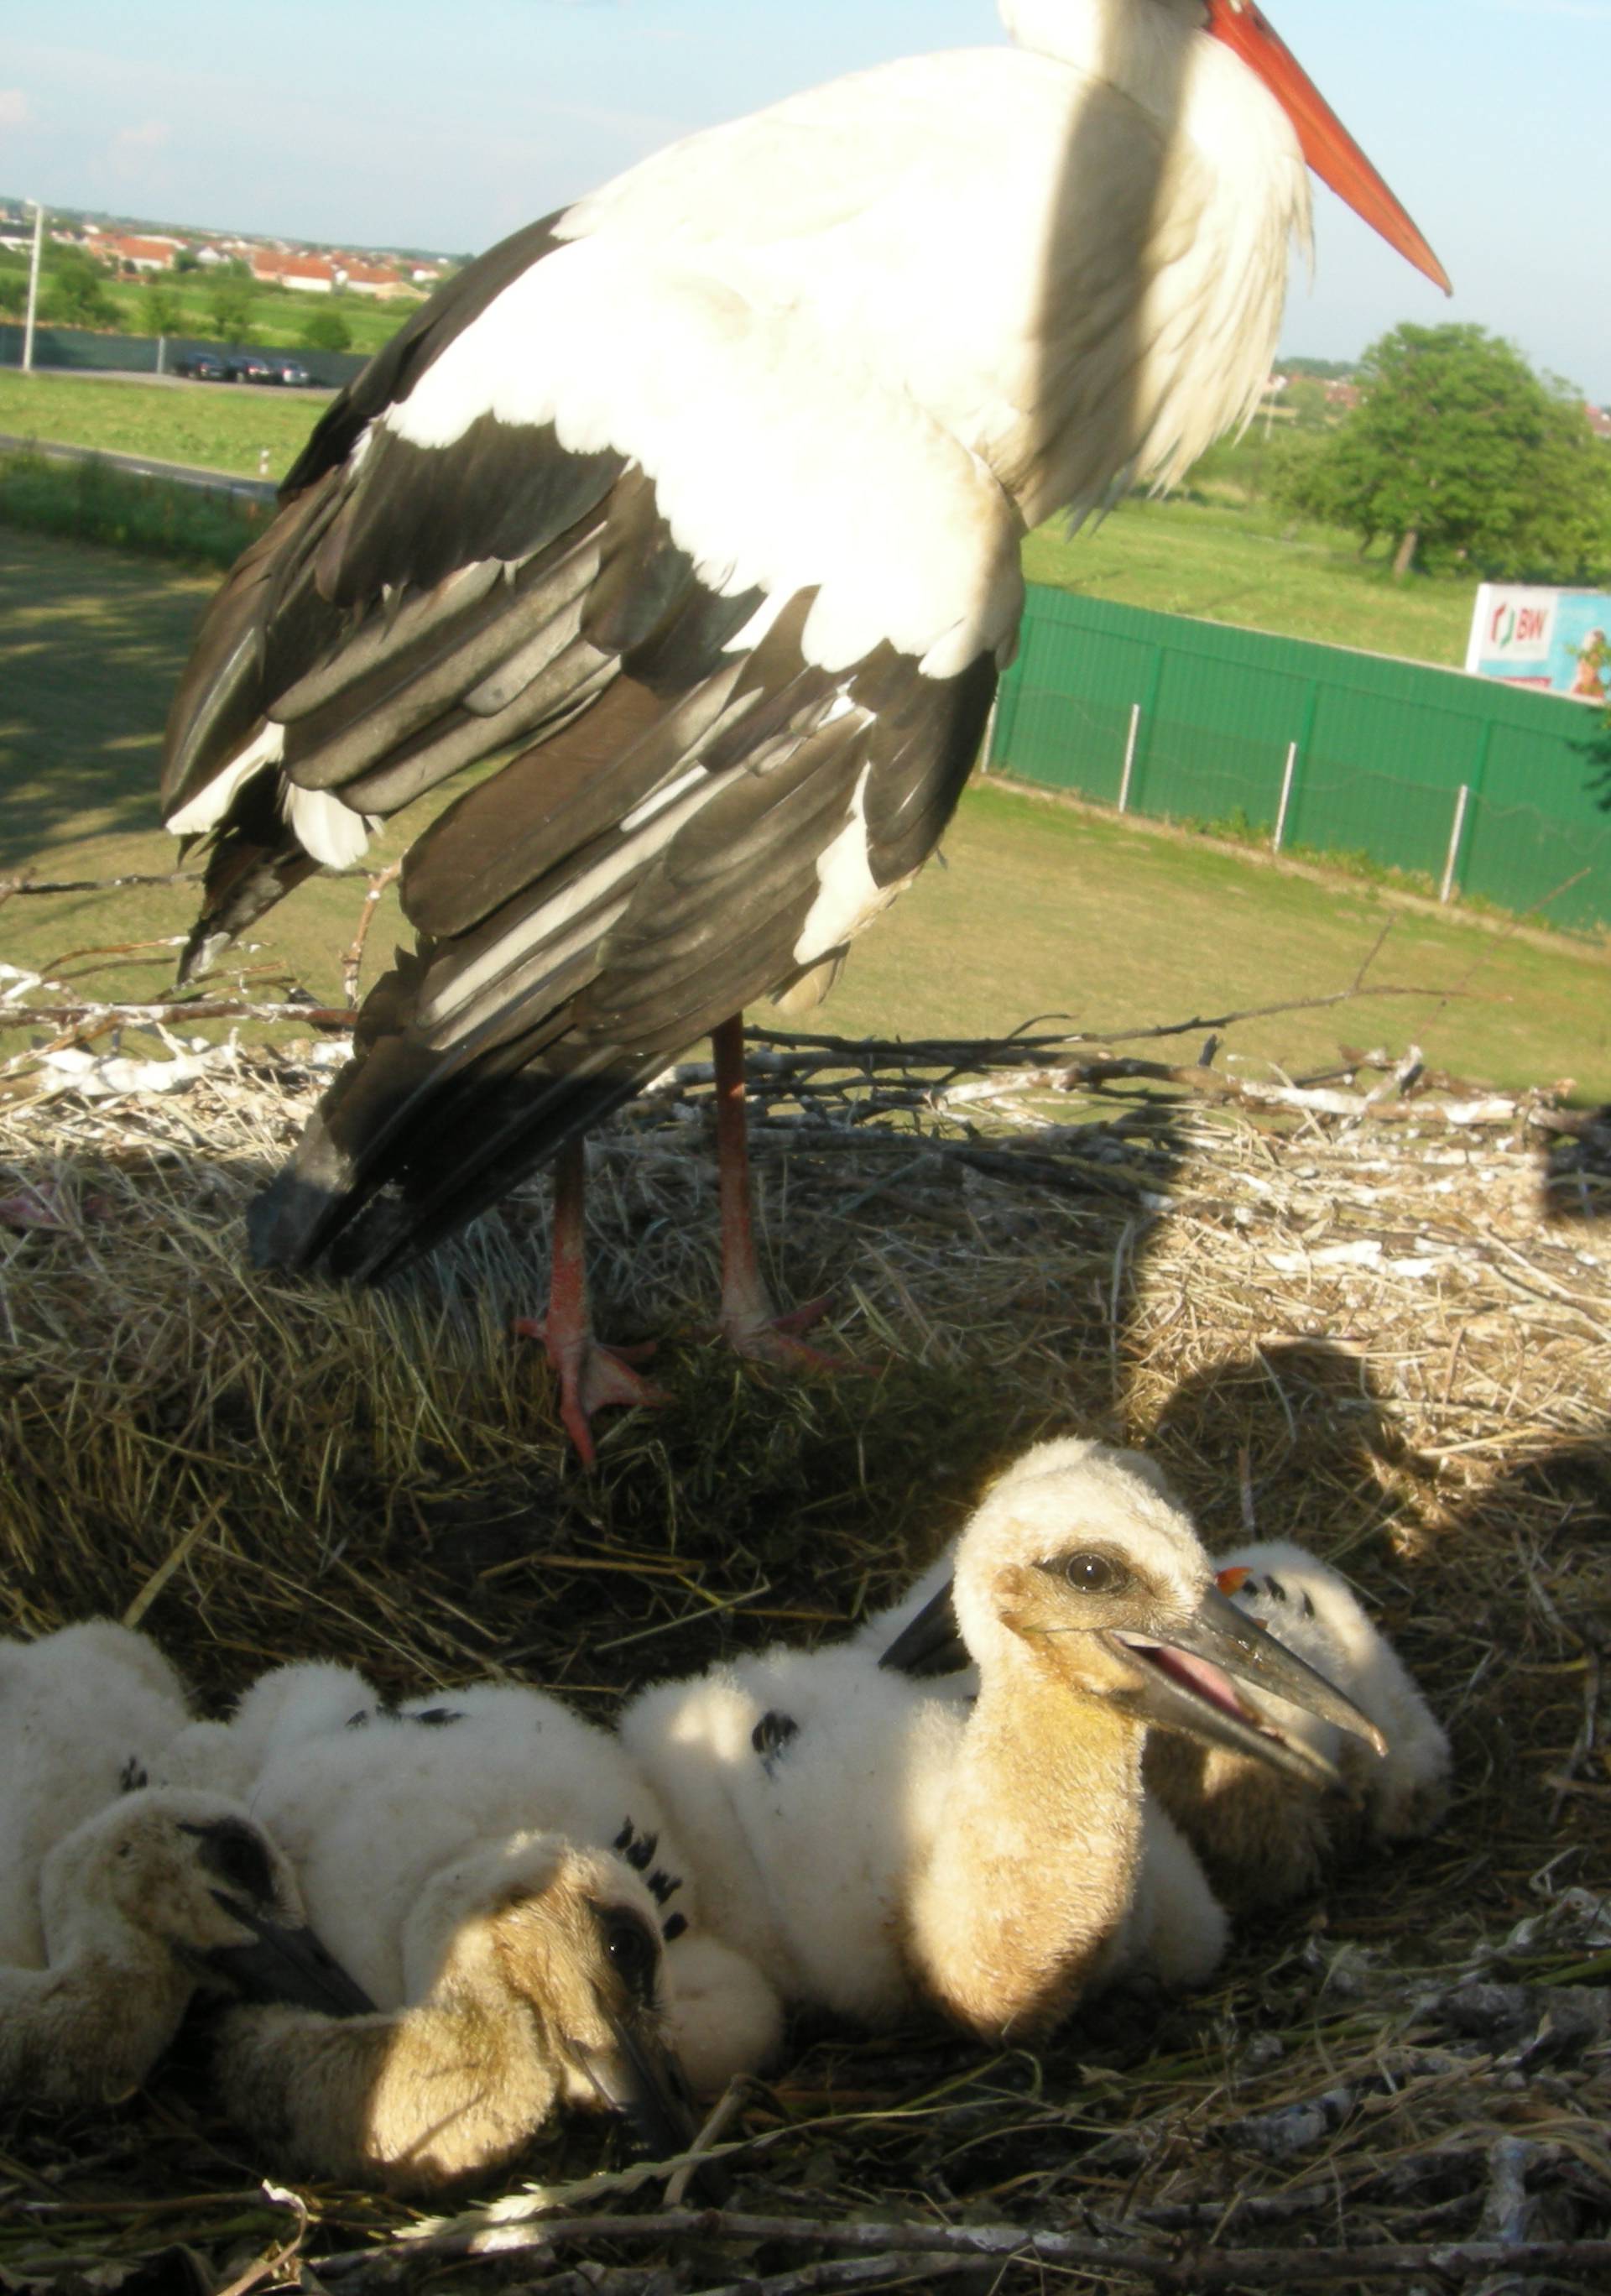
(214, 426)
(1041, 909)
(1230, 562)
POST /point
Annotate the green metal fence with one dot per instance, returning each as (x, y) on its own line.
(89, 352)
(1485, 789)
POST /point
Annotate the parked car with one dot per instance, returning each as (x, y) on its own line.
(202, 366)
(249, 366)
(291, 372)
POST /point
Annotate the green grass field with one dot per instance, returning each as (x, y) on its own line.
(1231, 559)
(1041, 910)
(1249, 567)
(214, 426)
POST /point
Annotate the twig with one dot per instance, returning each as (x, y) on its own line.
(351, 960)
(729, 2105)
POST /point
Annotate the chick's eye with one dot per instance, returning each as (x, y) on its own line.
(632, 1954)
(1093, 1574)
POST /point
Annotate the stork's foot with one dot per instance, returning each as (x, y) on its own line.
(591, 1378)
(754, 1330)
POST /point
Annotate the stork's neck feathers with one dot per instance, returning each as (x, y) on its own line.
(414, 2100)
(1138, 46)
(93, 2022)
(1071, 255)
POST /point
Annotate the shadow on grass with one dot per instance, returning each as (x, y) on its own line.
(91, 647)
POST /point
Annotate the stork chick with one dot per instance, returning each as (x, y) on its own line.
(161, 1892)
(534, 1975)
(84, 1713)
(487, 1860)
(881, 1845)
(1263, 1837)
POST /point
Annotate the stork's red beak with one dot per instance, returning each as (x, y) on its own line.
(1330, 151)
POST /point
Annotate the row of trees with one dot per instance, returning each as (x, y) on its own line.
(1465, 459)
(75, 291)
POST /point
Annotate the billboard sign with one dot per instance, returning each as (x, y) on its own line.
(1557, 641)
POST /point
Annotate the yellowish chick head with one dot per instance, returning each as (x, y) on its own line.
(574, 1937)
(1080, 1563)
(193, 1872)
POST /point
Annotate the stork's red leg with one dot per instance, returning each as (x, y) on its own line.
(590, 1376)
(748, 1322)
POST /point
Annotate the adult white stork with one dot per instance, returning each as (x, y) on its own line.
(698, 506)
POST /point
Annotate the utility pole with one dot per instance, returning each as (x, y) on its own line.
(33, 288)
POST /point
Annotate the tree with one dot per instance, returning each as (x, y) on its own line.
(76, 292)
(229, 304)
(326, 331)
(1465, 458)
(162, 311)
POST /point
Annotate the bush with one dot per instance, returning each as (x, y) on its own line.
(73, 291)
(89, 501)
(326, 331)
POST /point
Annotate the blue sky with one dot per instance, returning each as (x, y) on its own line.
(430, 124)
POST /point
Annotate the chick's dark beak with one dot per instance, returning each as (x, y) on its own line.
(639, 2077)
(1183, 1689)
(930, 1644)
(285, 1965)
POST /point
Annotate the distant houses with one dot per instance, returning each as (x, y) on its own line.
(272, 263)
(334, 274)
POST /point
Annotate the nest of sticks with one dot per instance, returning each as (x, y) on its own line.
(1371, 1311)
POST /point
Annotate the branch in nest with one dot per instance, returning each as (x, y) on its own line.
(1579, 2261)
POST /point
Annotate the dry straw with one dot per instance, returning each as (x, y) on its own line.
(1371, 1311)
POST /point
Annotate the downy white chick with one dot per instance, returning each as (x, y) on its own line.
(877, 1844)
(159, 1894)
(497, 1870)
(84, 1714)
(533, 1977)
(1263, 1838)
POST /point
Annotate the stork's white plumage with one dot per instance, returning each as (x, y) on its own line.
(701, 503)
(878, 1845)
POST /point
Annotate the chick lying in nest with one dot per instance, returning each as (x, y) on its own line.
(550, 1914)
(1262, 1843)
(1265, 1828)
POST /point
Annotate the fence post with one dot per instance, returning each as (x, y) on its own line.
(1462, 801)
(987, 739)
(1280, 817)
(33, 289)
(1135, 725)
